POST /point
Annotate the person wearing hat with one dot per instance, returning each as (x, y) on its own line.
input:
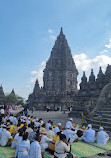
(70, 123)
(37, 122)
(102, 136)
(35, 149)
(70, 134)
(6, 135)
(57, 129)
(89, 135)
(44, 141)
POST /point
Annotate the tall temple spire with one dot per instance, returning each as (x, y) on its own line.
(60, 73)
(61, 32)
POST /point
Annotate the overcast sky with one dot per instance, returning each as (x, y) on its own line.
(28, 29)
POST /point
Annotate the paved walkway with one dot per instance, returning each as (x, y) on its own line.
(56, 117)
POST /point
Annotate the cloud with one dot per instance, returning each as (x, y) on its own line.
(104, 51)
(50, 30)
(53, 37)
(33, 72)
(38, 74)
(109, 44)
(84, 63)
(51, 34)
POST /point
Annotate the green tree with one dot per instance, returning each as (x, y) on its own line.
(14, 99)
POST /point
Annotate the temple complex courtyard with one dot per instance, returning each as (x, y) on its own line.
(56, 117)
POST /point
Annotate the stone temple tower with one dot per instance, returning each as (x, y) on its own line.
(60, 73)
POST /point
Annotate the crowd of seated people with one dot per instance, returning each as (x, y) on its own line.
(31, 137)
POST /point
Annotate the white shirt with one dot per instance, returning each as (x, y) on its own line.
(1, 132)
(23, 145)
(70, 134)
(11, 119)
(6, 135)
(2, 111)
(56, 129)
(28, 122)
(45, 142)
(4, 119)
(47, 126)
(37, 124)
(35, 150)
(61, 149)
(89, 135)
(14, 141)
(15, 121)
(69, 123)
(29, 130)
(102, 137)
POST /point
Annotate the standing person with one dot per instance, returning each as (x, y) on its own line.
(89, 135)
(22, 150)
(35, 149)
(7, 110)
(33, 109)
(55, 108)
(60, 108)
(61, 148)
(25, 111)
(71, 108)
(102, 136)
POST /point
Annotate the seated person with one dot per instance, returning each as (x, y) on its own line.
(89, 135)
(12, 127)
(57, 129)
(17, 139)
(70, 134)
(44, 141)
(50, 133)
(102, 137)
(70, 123)
(52, 144)
(62, 150)
(35, 149)
(6, 136)
(22, 150)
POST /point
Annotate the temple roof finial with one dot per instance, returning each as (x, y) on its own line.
(61, 32)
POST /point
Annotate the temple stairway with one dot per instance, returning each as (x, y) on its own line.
(106, 117)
